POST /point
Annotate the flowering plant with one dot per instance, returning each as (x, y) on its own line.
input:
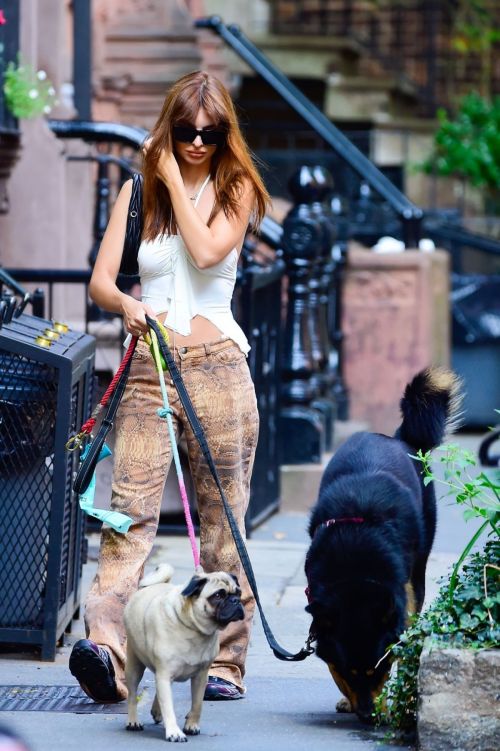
(28, 93)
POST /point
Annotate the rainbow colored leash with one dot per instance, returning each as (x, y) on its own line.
(166, 412)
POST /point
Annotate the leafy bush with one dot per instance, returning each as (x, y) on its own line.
(468, 146)
(471, 619)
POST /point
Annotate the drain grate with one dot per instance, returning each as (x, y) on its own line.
(53, 699)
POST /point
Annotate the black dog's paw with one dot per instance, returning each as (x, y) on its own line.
(134, 726)
(343, 705)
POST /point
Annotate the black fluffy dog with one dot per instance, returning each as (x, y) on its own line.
(372, 531)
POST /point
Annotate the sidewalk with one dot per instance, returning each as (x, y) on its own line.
(292, 703)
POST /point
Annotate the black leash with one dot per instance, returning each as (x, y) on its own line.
(199, 433)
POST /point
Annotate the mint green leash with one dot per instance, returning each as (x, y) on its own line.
(118, 521)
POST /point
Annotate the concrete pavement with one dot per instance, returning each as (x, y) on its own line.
(286, 703)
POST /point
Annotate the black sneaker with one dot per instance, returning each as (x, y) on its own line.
(218, 689)
(93, 669)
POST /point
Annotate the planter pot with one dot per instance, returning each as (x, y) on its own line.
(459, 708)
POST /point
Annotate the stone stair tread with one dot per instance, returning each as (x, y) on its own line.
(312, 42)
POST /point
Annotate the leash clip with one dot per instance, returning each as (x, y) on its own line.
(76, 442)
(309, 642)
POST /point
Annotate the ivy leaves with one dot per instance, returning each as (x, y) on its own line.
(471, 619)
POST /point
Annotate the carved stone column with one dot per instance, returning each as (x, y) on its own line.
(141, 48)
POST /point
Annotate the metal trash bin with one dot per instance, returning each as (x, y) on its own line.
(46, 383)
(475, 307)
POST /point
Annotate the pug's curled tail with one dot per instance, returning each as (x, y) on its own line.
(430, 408)
(162, 574)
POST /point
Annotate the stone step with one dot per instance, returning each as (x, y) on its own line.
(303, 56)
(300, 482)
(351, 98)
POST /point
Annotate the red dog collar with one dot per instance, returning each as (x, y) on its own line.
(343, 519)
(331, 523)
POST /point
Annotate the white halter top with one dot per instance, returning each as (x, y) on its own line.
(170, 280)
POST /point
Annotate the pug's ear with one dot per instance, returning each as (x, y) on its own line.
(194, 587)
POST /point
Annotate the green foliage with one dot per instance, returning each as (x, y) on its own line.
(468, 146)
(474, 27)
(471, 619)
(466, 612)
(28, 93)
(479, 493)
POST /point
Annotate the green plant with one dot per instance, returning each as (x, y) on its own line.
(468, 146)
(479, 493)
(28, 93)
(470, 619)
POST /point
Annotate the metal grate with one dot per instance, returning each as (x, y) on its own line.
(27, 421)
(53, 699)
(43, 400)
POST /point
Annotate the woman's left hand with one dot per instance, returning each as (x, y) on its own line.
(168, 169)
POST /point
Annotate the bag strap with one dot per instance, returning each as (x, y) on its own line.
(279, 652)
(129, 264)
(93, 451)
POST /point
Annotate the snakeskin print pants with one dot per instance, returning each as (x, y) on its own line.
(218, 381)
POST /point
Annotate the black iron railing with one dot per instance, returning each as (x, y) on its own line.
(470, 252)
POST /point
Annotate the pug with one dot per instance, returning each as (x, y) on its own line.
(174, 631)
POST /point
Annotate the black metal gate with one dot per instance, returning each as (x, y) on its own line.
(46, 381)
(258, 310)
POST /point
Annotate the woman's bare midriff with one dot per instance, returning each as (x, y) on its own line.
(203, 331)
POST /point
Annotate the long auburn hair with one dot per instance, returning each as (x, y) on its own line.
(231, 163)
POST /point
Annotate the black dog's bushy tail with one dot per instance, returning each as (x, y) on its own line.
(430, 408)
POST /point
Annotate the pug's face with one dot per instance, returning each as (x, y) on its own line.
(216, 596)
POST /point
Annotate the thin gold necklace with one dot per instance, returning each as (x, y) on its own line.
(195, 197)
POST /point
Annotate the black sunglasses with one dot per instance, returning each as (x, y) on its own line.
(187, 134)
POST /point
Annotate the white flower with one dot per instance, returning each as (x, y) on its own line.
(47, 109)
(33, 93)
(51, 90)
(41, 75)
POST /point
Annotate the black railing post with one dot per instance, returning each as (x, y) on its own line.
(339, 256)
(319, 284)
(101, 211)
(302, 426)
(82, 58)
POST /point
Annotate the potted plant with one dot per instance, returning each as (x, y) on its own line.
(467, 146)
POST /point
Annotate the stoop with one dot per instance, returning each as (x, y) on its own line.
(300, 482)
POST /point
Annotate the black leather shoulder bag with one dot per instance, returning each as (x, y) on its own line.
(129, 265)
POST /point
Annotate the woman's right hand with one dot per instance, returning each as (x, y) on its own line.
(134, 315)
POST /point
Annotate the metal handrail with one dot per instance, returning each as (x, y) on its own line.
(87, 130)
(462, 236)
(410, 214)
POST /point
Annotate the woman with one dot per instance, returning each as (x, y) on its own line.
(200, 191)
